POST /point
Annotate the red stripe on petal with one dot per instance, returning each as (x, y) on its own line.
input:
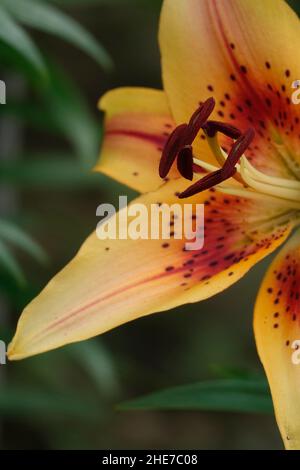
(154, 139)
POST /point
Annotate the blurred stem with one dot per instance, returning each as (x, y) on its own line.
(11, 143)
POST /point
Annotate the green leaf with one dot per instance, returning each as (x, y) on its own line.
(18, 237)
(222, 371)
(45, 17)
(22, 401)
(14, 61)
(14, 35)
(8, 262)
(251, 396)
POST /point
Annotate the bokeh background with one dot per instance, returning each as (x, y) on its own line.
(50, 134)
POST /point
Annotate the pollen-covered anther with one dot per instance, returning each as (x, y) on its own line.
(182, 138)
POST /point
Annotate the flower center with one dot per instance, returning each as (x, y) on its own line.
(250, 182)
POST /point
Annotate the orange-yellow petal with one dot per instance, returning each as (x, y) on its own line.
(277, 332)
(111, 282)
(137, 125)
(246, 53)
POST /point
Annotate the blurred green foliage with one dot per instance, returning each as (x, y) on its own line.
(42, 16)
(51, 105)
(59, 106)
(242, 395)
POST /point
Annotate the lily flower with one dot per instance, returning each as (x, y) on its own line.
(244, 54)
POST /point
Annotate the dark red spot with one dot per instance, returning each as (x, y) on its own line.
(169, 268)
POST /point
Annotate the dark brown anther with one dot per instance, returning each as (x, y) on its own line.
(227, 171)
(172, 147)
(238, 149)
(185, 162)
(183, 136)
(198, 119)
(212, 127)
(210, 180)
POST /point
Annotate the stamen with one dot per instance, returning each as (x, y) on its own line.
(210, 180)
(185, 162)
(218, 153)
(184, 135)
(199, 119)
(273, 180)
(238, 149)
(227, 171)
(258, 196)
(278, 191)
(206, 166)
(212, 127)
(282, 192)
(171, 149)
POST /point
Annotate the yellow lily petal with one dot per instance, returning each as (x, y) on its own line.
(111, 282)
(277, 332)
(137, 125)
(245, 53)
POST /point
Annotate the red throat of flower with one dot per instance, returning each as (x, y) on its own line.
(179, 146)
